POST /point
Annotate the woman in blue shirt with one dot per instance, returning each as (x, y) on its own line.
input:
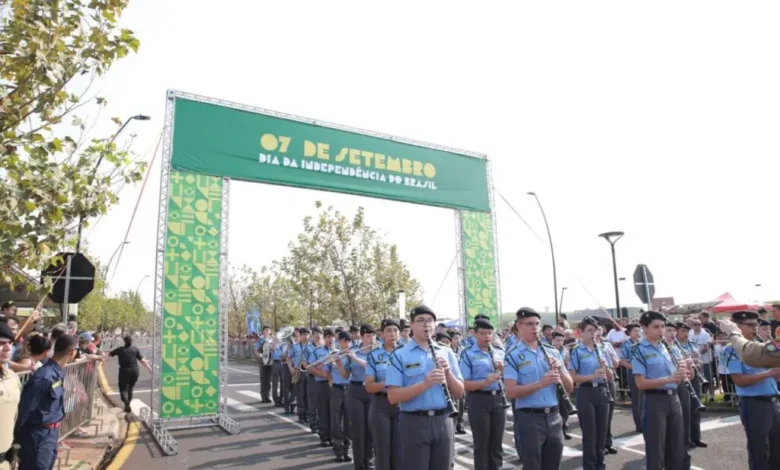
(382, 416)
(360, 400)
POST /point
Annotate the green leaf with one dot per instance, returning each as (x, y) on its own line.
(29, 205)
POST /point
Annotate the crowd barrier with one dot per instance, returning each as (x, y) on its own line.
(79, 387)
(242, 349)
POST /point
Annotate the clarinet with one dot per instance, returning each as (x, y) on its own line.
(566, 400)
(452, 410)
(695, 401)
(504, 403)
(600, 358)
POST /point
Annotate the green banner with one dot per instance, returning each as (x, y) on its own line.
(222, 141)
(479, 257)
(190, 334)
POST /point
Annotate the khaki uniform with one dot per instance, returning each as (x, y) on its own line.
(757, 354)
(10, 392)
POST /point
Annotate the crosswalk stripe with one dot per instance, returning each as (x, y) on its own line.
(240, 406)
(251, 394)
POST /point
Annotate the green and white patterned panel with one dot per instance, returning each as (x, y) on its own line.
(479, 258)
(190, 336)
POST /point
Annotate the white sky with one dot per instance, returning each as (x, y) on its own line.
(658, 119)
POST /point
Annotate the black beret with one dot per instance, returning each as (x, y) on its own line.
(366, 329)
(329, 332)
(588, 321)
(764, 323)
(339, 329)
(403, 323)
(670, 324)
(316, 329)
(547, 326)
(744, 315)
(761, 310)
(482, 324)
(481, 316)
(354, 329)
(527, 312)
(266, 327)
(8, 304)
(557, 334)
(304, 331)
(390, 322)
(454, 333)
(649, 316)
(680, 325)
(422, 310)
(5, 332)
(441, 336)
(343, 336)
(65, 344)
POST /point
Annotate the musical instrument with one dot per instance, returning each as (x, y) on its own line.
(338, 355)
(566, 400)
(265, 352)
(286, 335)
(452, 410)
(699, 372)
(601, 359)
(504, 403)
(695, 401)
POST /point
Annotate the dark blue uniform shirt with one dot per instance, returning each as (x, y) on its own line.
(42, 397)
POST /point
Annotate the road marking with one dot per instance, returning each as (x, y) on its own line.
(252, 394)
(240, 406)
(133, 431)
(718, 423)
(567, 451)
(243, 371)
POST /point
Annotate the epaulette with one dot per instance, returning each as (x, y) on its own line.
(576, 345)
(549, 346)
(511, 348)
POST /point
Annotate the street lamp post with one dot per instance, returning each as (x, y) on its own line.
(139, 284)
(612, 238)
(105, 273)
(138, 117)
(552, 253)
(563, 291)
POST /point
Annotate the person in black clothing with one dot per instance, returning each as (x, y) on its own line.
(707, 324)
(129, 356)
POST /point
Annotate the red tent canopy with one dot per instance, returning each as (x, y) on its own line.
(730, 304)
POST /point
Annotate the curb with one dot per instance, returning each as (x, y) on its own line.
(117, 456)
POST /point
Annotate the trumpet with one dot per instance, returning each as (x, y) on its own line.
(338, 355)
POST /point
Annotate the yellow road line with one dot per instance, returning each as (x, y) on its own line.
(107, 390)
(133, 429)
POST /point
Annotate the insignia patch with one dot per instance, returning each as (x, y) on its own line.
(773, 346)
(56, 384)
(412, 365)
(381, 356)
(524, 364)
(651, 355)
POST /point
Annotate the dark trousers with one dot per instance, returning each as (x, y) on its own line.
(611, 407)
(265, 382)
(322, 397)
(666, 446)
(360, 431)
(427, 442)
(693, 427)
(313, 408)
(487, 419)
(540, 440)
(127, 379)
(339, 420)
(593, 412)
(636, 401)
(383, 419)
(276, 379)
(761, 420)
(563, 410)
(39, 448)
(287, 390)
(302, 394)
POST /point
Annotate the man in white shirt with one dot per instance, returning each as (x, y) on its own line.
(702, 339)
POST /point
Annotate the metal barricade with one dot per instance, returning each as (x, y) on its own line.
(79, 388)
(242, 349)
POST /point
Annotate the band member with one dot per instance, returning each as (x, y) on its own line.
(263, 346)
(338, 371)
(547, 334)
(691, 416)
(633, 331)
(354, 332)
(758, 403)
(558, 339)
(294, 363)
(423, 379)
(383, 416)
(276, 372)
(588, 368)
(322, 389)
(658, 378)
(360, 400)
(612, 360)
(532, 376)
(457, 348)
(406, 333)
(288, 396)
(481, 376)
(444, 339)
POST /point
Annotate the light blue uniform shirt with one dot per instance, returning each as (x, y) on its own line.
(358, 372)
(259, 343)
(584, 361)
(653, 362)
(277, 354)
(402, 342)
(338, 379)
(410, 365)
(298, 354)
(625, 350)
(467, 342)
(376, 364)
(318, 354)
(309, 352)
(526, 366)
(764, 388)
(476, 365)
(511, 340)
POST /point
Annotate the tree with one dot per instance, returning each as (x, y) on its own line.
(50, 52)
(342, 270)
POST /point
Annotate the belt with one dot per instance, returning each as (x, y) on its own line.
(340, 386)
(540, 411)
(356, 382)
(593, 384)
(45, 426)
(486, 392)
(381, 394)
(656, 391)
(768, 399)
(426, 413)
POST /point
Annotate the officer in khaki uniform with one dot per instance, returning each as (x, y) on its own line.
(752, 353)
(10, 391)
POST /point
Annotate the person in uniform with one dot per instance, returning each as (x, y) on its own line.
(610, 356)
(265, 369)
(481, 366)
(383, 416)
(276, 372)
(312, 388)
(633, 331)
(288, 396)
(532, 373)
(338, 372)
(10, 392)
(360, 400)
(128, 357)
(406, 333)
(558, 339)
(295, 361)
(588, 368)
(42, 409)
(457, 348)
(354, 333)
(444, 339)
(751, 353)
(691, 416)
(322, 388)
(758, 400)
(421, 376)
(657, 377)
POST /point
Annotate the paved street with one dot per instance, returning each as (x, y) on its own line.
(269, 440)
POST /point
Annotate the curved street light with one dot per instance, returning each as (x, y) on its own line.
(612, 238)
(552, 254)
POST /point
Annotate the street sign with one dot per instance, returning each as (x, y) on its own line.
(73, 278)
(643, 283)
